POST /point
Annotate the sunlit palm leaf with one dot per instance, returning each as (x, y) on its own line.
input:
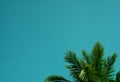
(88, 74)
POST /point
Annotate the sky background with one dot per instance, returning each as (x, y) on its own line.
(35, 35)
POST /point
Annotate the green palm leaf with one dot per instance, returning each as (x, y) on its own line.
(74, 64)
(86, 57)
(55, 78)
(118, 77)
(108, 67)
(90, 68)
(97, 61)
(88, 74)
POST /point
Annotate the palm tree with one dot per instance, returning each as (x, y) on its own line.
(93, 67)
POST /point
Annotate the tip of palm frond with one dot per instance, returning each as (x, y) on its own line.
(112, 59)
(56, 78)
(70, 57)
(98, 49)
(114, 55)
(74, 64)
(86, 57)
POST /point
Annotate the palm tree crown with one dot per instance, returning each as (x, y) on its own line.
(93, 67)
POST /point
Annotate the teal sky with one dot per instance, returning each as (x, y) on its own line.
(35, 34)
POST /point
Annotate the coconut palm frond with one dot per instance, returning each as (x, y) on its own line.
(104, 73)
(74, 64)
(108, 67)
(55, 78)
(82, 63)
(88, 74)
(86, 57)
(110, 62)
(97, 55)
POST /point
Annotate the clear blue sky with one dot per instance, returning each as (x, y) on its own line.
(35, 34)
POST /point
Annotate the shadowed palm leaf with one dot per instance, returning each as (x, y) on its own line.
(97, 58)
(55, 78)
(108, 68)
(74, 64)
(118, 77)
